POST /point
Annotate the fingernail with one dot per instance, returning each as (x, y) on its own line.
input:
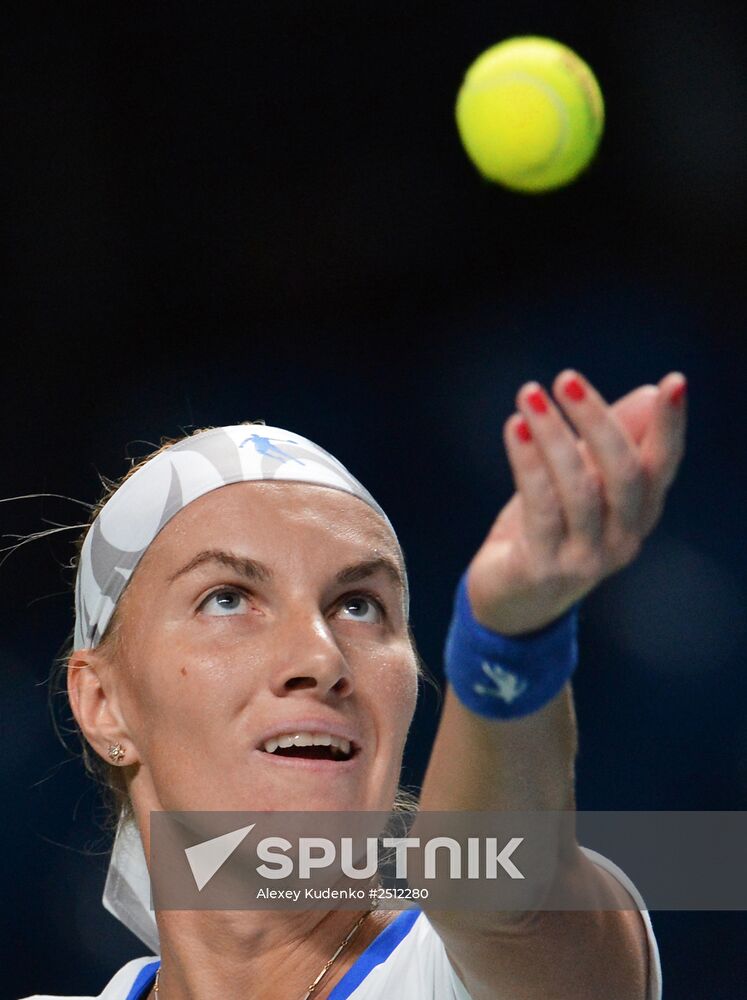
(678, 394)
(537, 401)
(522, 431)
(574, 389)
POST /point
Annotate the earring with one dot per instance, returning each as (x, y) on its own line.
(116, 752)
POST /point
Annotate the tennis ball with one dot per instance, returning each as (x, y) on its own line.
(530, 114)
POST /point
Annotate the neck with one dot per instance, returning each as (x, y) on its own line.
(215, 954)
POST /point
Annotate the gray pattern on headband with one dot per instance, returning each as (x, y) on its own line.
(219, 449)
(112, 567)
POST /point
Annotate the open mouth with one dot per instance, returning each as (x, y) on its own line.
(310, 746)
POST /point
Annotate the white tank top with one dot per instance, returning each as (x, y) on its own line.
(407, 961)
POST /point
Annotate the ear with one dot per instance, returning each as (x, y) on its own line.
(93, 699)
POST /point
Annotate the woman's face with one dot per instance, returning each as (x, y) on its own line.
(262, 613)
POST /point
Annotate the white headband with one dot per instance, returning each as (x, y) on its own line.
(162, 487)
(118, 539)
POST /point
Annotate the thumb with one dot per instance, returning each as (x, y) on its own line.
(636, 410)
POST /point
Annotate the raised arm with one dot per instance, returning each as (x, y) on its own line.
(584, 502)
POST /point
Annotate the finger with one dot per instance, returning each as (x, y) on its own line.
(542, 510)
(611, 446)
(664, 443)
(577, 488)
(634, 410)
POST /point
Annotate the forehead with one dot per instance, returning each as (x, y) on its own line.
(275, 514)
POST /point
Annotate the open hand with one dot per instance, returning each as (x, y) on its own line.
(584, 501)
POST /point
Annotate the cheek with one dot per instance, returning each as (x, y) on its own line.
(394, 686)
(178, 684)
(406, 694)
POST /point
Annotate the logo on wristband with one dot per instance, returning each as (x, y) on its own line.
(506, 685)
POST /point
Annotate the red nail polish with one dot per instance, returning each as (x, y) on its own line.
(537, 401)
(522, 431)
(678, 394)
(574, 389)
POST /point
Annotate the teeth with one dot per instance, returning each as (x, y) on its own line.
(307, 740)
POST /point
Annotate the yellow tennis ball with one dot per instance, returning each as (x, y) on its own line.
(530, 114)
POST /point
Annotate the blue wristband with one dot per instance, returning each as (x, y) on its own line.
(505, 677)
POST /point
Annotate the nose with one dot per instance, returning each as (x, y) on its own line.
(312, 662)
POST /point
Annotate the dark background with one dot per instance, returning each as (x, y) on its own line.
(223, 212)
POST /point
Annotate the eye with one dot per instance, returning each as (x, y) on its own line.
(226, 601)
(362, 608)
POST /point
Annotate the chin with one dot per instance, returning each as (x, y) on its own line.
(329, 801)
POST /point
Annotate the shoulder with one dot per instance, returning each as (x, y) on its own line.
(642, 915)
(124, 985)
(614, 946)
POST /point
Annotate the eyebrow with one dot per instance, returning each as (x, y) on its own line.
(252, 569)
(369, 567)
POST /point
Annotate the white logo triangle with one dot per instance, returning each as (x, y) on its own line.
(206, 858)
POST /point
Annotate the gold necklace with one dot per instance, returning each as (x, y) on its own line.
(346, 940)
(312, 989)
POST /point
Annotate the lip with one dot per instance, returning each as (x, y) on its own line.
(332, 726)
